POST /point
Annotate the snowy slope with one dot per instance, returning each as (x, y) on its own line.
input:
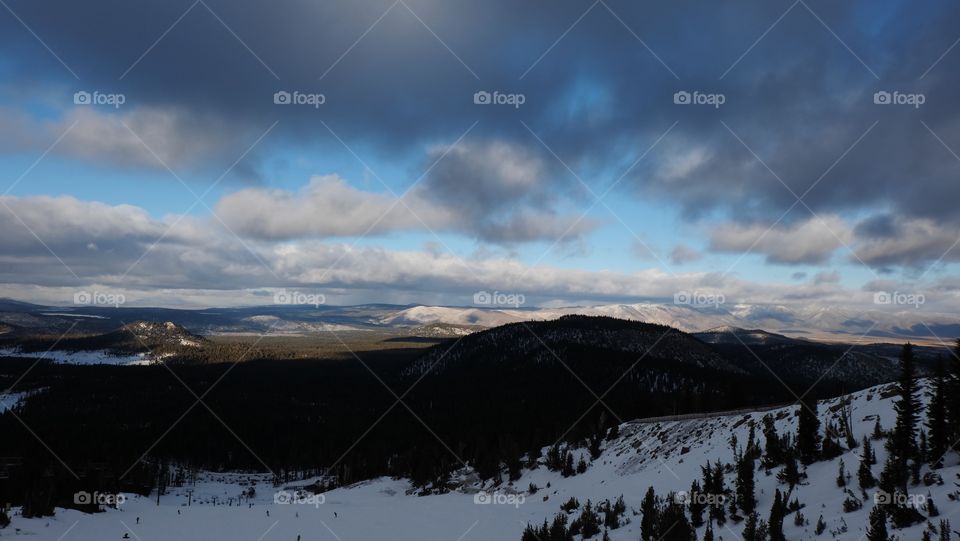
(81, 357)
(666, 454)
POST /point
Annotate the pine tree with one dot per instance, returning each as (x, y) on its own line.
(902, 443)
(831, 447)
(568, 469)
(752, 449)
(719, 491)
(841, 475)
(4, 519)
(777, 512)
(773, 452)
(554, 458)
(708, 533)
(937, 418)
(821, 526)
(581, 465)
(877, 430)
(808, 431)
(864, 473)
(944, 530)
(589, 522)
(790, 474)
(696, 505)
(745, 484)
(558, 530)
(672, 524)
(878, 525)
(750, 528)
(931, 507)
(650, 518)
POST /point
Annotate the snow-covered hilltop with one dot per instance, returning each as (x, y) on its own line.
(663, 453)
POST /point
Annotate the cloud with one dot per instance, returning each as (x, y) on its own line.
(682, 254)
(809, 242)
(489, 191)
(137, 137)
(910, 243)
(326, 207)
(827, 277)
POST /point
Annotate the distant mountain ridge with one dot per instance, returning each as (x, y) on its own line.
(778, 321)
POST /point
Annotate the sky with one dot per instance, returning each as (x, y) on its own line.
(211, 153)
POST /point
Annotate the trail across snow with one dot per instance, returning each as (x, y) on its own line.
(666, 455)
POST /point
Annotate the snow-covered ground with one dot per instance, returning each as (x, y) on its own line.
(666, 455)
(9, 400)
(80, 357)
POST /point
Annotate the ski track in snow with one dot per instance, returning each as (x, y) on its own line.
(666, 455)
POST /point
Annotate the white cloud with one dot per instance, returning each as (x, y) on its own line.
(811, 241)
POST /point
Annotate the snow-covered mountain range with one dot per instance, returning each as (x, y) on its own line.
(882, 323)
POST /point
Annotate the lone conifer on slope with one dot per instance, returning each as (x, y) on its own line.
(939, 437)
(650, 518)
(745, 484)
(902, 443)
(877, 530)
(865, 476)
(808, 431)
(777, 511)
